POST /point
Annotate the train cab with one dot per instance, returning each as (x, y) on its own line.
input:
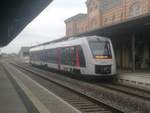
(103, 59)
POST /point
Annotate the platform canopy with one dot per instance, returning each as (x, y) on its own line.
(133, 25)
(16, 14)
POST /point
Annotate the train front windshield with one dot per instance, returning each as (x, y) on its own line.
(100, 49)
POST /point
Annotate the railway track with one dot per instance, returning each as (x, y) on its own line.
(122, 98)
(80, 101)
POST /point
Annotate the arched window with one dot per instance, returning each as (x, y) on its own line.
(135, 10)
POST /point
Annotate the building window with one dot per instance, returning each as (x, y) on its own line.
(105, 20)
(121, 15)
(96, 6)
(93, 23)
(105, 5)
(90, 10)
(86, 28)
(135, 10)
(82, 29)
(113, 17)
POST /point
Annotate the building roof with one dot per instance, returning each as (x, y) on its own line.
(76, 17)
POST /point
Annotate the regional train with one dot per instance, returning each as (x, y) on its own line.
(88, 55)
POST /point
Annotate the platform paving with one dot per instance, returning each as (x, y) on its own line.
(44, 100)
(139, 80)
(10, 102)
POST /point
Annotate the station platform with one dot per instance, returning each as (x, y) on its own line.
(21, 94)
(140, 79)
(10, 102)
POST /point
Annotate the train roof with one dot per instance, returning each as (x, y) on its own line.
(67, 42)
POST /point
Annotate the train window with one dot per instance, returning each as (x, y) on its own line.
(33, 57)
(73, 56)
(81, 56)
(63, 56)
(36, 56)
(46, 55)
(69, 54)
(100, 48)
(40, 55)
(50, 55)
(53, 55)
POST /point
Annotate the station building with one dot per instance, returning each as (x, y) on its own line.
(126, 22)
(24, 54)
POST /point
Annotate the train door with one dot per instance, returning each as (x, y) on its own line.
(73, 58)
(80, 59)
(77, 57)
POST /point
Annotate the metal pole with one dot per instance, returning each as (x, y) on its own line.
(133, 52)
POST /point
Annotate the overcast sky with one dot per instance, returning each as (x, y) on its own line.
(49, 25)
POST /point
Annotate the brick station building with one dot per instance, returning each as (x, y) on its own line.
(123, 22)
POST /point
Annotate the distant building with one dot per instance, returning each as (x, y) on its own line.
(102, 13)
(24, 54)
(3, 55)
(76, 24)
